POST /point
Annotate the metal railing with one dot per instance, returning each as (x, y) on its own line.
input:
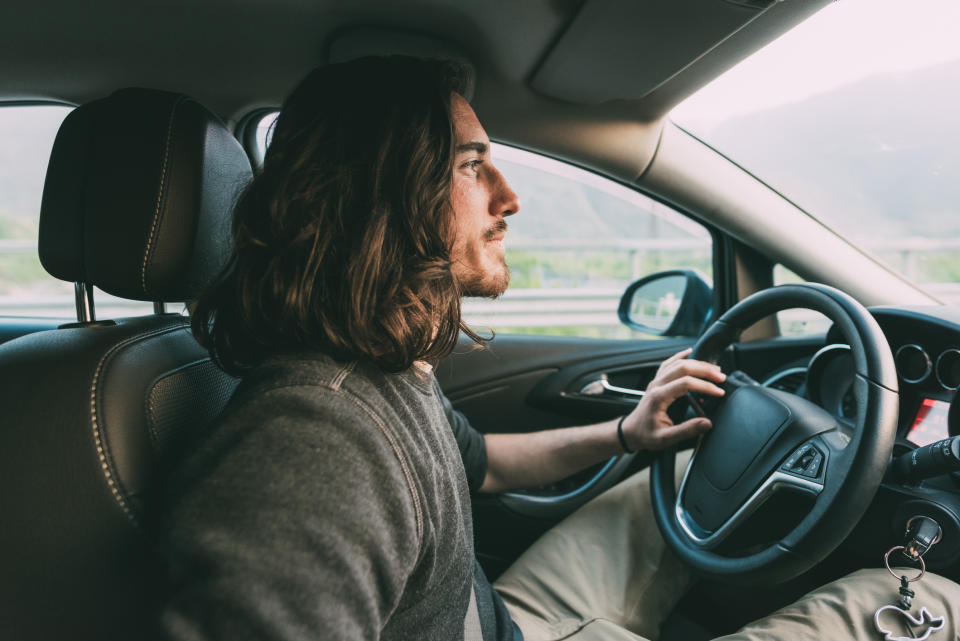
(517, 308)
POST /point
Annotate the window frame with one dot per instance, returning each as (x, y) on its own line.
(722, 254)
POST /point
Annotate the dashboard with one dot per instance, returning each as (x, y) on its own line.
(925, 342)
(926, 347)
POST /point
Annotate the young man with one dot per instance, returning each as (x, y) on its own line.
(331, 500)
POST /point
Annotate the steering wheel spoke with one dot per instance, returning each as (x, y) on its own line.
(779, 479)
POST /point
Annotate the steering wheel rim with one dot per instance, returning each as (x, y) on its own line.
(851, 472)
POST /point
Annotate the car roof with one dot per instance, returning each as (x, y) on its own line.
(549, 72)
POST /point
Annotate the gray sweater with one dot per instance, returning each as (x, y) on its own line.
(330, 501)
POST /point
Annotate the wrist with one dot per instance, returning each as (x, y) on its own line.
(622, 438)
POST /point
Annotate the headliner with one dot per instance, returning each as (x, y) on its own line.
(587, 80)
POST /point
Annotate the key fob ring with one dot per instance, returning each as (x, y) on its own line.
(886, 562)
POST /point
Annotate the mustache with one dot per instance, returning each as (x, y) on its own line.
(500, 227)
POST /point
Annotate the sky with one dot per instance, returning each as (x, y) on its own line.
(846, 41)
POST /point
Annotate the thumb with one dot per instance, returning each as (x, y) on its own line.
(673, 434)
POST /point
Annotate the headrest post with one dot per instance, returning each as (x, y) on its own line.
(159, 307)
(84, 298)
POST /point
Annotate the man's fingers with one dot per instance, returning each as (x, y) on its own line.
(673, 434)
(678, 356)
(667, 394)
(700, 369)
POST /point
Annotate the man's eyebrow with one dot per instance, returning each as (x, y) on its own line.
(479, 147)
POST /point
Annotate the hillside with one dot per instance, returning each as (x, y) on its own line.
(876, 158)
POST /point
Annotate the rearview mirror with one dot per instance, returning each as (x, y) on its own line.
(677, 302)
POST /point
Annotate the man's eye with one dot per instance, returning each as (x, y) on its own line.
(473, 164)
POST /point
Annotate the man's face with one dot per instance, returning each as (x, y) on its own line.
(481, 200)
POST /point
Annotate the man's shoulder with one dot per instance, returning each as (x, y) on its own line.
(305, 390)
(318, 370)
(311, 418)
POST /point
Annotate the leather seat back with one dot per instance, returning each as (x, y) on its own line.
(137, 202)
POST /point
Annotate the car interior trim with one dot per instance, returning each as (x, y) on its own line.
(790, 371)
(604, 386)
(558, 506)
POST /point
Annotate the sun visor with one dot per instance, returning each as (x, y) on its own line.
(626, 50)
(358, 42)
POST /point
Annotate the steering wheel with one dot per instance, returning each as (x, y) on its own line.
(764, 441)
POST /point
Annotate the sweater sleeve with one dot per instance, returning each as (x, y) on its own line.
(473, 447)
(292, 524)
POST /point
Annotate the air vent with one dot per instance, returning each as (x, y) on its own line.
(791, 380)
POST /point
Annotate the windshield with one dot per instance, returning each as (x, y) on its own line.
(853, 115)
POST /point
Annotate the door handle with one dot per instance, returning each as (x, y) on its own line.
(603, 387)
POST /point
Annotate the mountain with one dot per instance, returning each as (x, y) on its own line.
(876, 158)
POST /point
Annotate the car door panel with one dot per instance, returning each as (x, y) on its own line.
(541, 378)
(525, 383)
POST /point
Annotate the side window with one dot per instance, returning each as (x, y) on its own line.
(256, 133)
(265, 131)
(797, 322)
(578, 241)
(26, 289)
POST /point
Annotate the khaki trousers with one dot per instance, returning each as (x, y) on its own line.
(605, 573)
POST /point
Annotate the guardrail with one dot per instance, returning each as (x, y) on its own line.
(553, 307)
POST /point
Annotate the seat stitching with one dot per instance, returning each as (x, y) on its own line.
(160, 193)
(103, 453)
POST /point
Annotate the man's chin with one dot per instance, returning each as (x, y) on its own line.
(485, 285)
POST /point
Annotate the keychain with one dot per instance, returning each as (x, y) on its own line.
(926, 623)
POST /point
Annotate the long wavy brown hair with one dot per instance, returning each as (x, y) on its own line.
(342, 240)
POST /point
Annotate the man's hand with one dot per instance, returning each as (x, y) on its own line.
(532, 459)
(649, 427)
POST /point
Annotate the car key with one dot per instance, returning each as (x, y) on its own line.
(920, 627)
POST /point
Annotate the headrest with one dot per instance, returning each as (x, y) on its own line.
(139, 196)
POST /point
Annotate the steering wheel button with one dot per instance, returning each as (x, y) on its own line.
(811, 467)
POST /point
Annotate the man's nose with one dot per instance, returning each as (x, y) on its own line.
(507, 203)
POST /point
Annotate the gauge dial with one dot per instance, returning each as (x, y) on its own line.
(830, 379)
(948, 369)
(913, 363)
(848, 405)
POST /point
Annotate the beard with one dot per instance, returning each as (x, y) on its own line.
(490, 284)
(481, 283)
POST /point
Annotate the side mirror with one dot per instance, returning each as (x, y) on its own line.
(677, 302)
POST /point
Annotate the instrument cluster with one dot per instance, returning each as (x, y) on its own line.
(926, 352)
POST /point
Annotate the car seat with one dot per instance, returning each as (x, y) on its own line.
(137, 202)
